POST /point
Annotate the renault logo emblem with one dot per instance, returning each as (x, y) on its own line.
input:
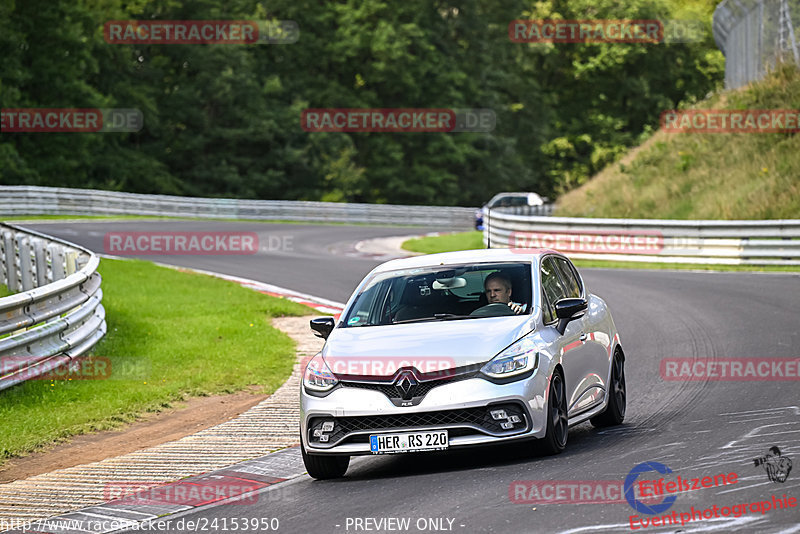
(406, 385)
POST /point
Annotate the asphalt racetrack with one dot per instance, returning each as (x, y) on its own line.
(696, 428)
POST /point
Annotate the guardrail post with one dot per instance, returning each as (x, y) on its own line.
(26, 264)
(40, 258)
(11, 262)
(57, 261)
(71, 263)
(3, 269)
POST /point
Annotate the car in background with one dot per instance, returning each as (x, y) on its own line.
(507, 200)
(422, 358)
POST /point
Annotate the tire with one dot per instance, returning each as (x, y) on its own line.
(323, 467)
(615, 410)
(555, 439)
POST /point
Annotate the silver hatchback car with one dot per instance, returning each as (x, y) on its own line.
(460, 349)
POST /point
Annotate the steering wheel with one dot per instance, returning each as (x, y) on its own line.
(495, 309)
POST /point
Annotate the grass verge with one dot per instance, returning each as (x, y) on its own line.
(170, 335)
(473, 240)
(445, 243)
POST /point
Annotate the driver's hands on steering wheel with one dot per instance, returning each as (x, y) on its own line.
(516, 308)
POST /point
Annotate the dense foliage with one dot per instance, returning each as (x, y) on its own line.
(224, 120)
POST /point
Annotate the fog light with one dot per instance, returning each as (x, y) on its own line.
(506, 426)
(498, 414)
(514, 419)
(317, 432)
(327, 426)
(323, 438)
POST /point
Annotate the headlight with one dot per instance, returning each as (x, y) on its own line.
(318, 376)
(519, 358)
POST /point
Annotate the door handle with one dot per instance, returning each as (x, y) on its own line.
(583, 336)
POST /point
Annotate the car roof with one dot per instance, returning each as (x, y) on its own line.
(494, 255)
(515, 194)
(532, 199)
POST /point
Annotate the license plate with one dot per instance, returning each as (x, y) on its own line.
(408, 442)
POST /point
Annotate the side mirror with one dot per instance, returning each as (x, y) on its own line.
(568, 310)
(322, 326)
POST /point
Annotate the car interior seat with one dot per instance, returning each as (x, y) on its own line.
(417, 299)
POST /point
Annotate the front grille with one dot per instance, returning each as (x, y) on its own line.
(478, 419)
(387, 388)
(423, 388)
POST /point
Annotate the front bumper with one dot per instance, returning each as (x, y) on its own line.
(462, 407)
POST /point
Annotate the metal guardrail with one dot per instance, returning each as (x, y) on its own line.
(36, 200)
(775, 242)
(54, 313)
(754, 35)
(540, 210)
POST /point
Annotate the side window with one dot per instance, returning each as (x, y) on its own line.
(569, 277)
(552, 286)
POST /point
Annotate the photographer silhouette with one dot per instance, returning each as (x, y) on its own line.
(776, 466)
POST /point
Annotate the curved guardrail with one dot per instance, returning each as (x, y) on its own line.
(54, 313)
(37, 200)
(775, 242)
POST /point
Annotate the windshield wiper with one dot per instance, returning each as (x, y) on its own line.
(451, 316)
(436, 317)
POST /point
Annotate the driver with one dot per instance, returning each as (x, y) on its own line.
(497, 287)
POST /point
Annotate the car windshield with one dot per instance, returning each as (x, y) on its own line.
(448, 292)
(509, 201)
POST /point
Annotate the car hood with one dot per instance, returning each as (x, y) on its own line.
(378, 351)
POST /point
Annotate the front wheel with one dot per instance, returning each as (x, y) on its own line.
(615, 411)
(555, 438)
(324, 467)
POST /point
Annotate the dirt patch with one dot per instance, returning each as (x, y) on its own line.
(195, 415)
